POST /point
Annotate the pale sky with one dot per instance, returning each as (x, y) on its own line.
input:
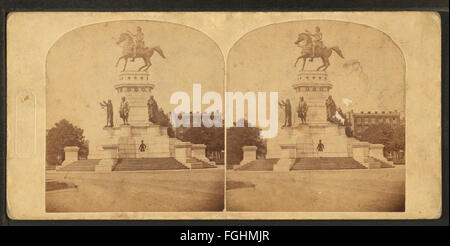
(81, 69)
(263, 60)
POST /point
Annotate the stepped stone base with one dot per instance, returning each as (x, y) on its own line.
(306, 138)
(307, 163)
(105, 165)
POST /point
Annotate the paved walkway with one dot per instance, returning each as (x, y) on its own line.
(323, 190)
(176, 190)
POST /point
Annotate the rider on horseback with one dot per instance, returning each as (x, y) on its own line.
(317, 41)
(138, 41)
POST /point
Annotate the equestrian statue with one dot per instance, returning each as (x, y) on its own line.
(134, 47)
(313, 47)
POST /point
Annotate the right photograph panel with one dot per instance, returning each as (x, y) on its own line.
(318, 119)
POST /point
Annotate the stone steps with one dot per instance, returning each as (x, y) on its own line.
(259, 165)
(164, 163)
(373, 162)
(326, 163)
(204, 163)
(81, 165)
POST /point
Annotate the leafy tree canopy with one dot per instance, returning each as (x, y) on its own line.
(392, 137)
(238, 137)
(64, 134)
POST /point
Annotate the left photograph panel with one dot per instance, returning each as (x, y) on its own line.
(121, 98)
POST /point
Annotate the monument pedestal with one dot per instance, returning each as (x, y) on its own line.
(301, 141)
(287, 159)
(108, 163)
(140, 139)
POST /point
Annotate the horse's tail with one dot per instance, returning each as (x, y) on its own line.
(159, 50)
(338, 51)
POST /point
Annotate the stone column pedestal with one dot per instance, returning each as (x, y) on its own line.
(249, 154)
(360, 152)
(376, 151)
(314, 87)
(136, 88)
(183, 153)
(108, 163)
(199, 152)
(287, 159)
(70, 155)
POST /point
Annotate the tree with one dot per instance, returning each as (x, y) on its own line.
(392, 137)
(212, 137)
(64, 134)
(238, 137)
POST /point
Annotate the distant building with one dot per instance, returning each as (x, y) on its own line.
(361, 121)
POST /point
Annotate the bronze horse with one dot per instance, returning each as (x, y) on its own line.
(128, 52)
(320, 52)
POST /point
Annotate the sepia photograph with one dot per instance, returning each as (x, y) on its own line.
(340, 139)
(223, 116)
(110, 144)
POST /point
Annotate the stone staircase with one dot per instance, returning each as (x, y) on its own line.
(141, 164)
(204, 163)
(375, 163)
(326, 163)
(80, 166)
(258, 165)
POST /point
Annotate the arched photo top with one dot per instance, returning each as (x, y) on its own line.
(81, 67)
(371, 71)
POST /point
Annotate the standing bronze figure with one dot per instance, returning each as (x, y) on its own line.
(302, 110)
(331, 108)
(109, 112)
(152, 108)
(287, 112)
(124, 110)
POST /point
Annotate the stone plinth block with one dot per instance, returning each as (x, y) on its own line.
(108, 163)
(70, 155)
(287, 160)
(360, 152)
(249, 153)
(163, 130)
(183, 152)
(125, 130)
(199, 152)
(376, 151)
(153, 130)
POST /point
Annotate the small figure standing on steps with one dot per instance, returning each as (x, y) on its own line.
(124, 110)
(320, 146)
(142, 147)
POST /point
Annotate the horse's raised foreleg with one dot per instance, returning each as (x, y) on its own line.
(300, 57)
(125, 65)
(120, 58)
(304, 62)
